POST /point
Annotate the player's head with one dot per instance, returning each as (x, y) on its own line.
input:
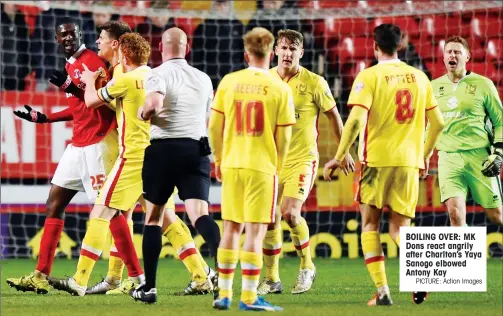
(456, 54)
(258, 43)
(174, 44)
(108, 41)
(387, 38)
(68, 35)
(134, 50)
(289, 49)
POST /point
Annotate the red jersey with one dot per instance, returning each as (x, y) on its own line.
(89, 125)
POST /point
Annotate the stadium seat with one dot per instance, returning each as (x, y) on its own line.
(428, 51)
(489, 27)
(327, 4)
(437, 69)
(407, 24)
(347, 27)
(494, 49)
(441, 27)
(485, 69)
(355, 48)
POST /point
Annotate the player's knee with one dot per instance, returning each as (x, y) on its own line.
(54, 209)
(455, 215)
(292, 219)
(495, 215)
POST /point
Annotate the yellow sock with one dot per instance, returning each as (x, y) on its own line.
(186, 250)
(272, 249)
(374, 257)
(187, 230)
(115, 263)
(251, 264)
(227, 261)
(300, 238)
(91, 249)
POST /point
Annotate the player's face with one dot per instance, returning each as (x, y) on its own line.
(289, 54)
(455, 57)
(106, 45)
(68, 37)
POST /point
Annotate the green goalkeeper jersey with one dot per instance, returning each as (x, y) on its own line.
(472, 113)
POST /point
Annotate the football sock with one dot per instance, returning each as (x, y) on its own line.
(227, 261)
(272, 250)
(124, 243)
(374, 258)
(91, 249)
(300, 238)
(187, 230)
(115, 263)
(152, 244)
(251, 264)
(186, 250)
(50, 239)
(210, 231)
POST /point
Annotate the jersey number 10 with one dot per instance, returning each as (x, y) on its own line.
(251, 115)
(404, 110)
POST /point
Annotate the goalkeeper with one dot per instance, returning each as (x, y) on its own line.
(468, 102)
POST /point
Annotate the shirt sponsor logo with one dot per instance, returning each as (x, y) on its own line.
(452, 103)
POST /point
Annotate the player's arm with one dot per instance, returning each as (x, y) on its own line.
(216, 126)
(435, 126)
(39, 117)
(360, 99)
(62, 80)
(155, 88)
(283, 133)
(492, 164)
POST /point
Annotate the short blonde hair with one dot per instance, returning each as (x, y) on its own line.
(457, 39)
(135, 48)
(258, 42)
(292, 36)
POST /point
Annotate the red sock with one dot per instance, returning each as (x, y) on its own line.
(50, 239)
(125, 246)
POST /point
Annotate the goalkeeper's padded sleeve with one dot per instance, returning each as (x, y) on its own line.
(65, 115)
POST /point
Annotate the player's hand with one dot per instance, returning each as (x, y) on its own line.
(348, 164)
(218, 173)
(31, 115)
(89, 77)
(423, 173)
(330, 168)
(64, 82)
(492, 165)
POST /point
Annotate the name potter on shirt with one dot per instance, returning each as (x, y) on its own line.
(400, 78)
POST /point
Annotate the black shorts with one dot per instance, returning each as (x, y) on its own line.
(175, 162)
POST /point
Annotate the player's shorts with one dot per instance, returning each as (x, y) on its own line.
(395, 187)
(85, 168)
(123, 186)
(170, 205)
(460, 173)
(175, 162)
(298, 179)
(248, 196)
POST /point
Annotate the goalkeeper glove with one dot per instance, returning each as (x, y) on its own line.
(31, 115)
(492, 165)
(64, 82)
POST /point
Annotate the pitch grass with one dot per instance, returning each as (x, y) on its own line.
(342, 287)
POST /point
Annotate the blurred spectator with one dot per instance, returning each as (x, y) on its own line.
(45, 57)
(275, 16)
(153, 28)
(409, 55)
(15, 44)
(217, 47)
(91, 29)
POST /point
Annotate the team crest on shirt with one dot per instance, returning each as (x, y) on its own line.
(358, 87)
(76, 73)
(302, 89)
(471, 89)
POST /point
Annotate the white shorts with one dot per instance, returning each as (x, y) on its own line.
(85, 168)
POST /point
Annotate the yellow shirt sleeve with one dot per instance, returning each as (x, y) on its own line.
(323, 97)
(430, 97)
(362, 92)
(219, 99)
(115, 88)
(286, 114)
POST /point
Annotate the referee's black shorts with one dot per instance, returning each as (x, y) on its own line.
(176, 162)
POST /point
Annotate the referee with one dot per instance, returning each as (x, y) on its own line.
(178, 98)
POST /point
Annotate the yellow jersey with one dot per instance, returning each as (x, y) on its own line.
(128, 90)
(397, 97)
(254, 103)
(311, 95)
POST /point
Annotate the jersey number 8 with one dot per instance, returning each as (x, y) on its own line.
(253, 114)
(404, 110)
